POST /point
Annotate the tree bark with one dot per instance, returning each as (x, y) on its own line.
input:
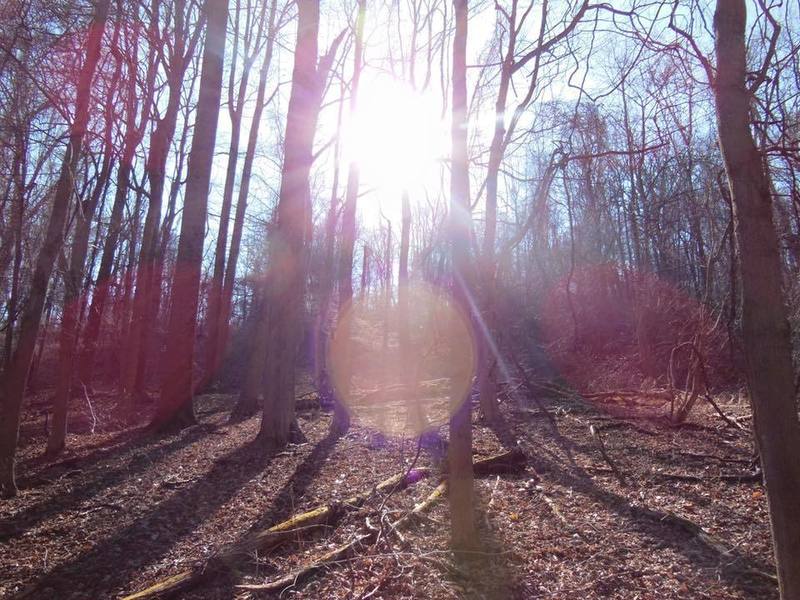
(175, 408)
(765, 328)
(16, 375)
(463, 534)
(286, 277)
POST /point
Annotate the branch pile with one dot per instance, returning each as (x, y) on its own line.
(327, 515)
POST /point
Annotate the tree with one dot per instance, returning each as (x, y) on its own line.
(15, 375)
(341, 417)
(765, 329)
(463, 535)
(252, 36)
(285, 285)
(147, 292)
(175, 408)
(73, 278)
(132, 137)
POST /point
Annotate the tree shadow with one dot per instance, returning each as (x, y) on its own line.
(121, 442)
(732, 565)
(154, 451)
(283, 506)
(483, 571)
(150, 536)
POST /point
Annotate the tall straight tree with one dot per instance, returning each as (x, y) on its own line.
(765, 328)
(285, 286)
(251, 33)
(460, 450)
(341, 418)
(186, 37)
(175, 408)
(16, 374)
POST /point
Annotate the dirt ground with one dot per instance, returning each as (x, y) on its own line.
(636, 510)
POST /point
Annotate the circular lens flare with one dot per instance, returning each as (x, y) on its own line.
(402, 370)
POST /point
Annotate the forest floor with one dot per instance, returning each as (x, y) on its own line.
(660, 517)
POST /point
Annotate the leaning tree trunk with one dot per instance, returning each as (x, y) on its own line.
(16, 375)
(765, 328)
(175, 408)
(463, 535)
(73, 279)
(132, 138)
(487, 370)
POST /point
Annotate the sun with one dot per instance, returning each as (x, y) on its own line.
(398, 139)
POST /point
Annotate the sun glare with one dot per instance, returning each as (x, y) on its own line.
(397, 138)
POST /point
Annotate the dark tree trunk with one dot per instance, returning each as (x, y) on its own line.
(175, 407)
(285, 286)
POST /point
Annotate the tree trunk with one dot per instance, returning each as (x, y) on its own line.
(765, 328)
(213, 349)
(286, 277)
(327, 276)
(247, 404)
(175, 408)
(148, 286)
(16, 375)
(487, 374)
(73, 278)
(132, 138)
(463, 535)
(341, 416)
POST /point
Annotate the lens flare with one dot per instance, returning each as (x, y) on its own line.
(402, 370)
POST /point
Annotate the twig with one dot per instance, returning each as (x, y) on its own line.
(91, 408)
(596, 435)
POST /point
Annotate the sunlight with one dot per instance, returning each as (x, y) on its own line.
(398, 139)
(403, 373)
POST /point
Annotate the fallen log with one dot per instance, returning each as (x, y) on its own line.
(325, 515)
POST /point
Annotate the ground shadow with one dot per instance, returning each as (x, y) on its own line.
(153, 450)
(150, 536)
(283, 506)
(660, 527)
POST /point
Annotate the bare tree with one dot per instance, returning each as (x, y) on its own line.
(15, 375)
(765, 328)
(132, 137)
(175, 408)
(285, 286)
(341, 417)
(463, 533)
(74, 276)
